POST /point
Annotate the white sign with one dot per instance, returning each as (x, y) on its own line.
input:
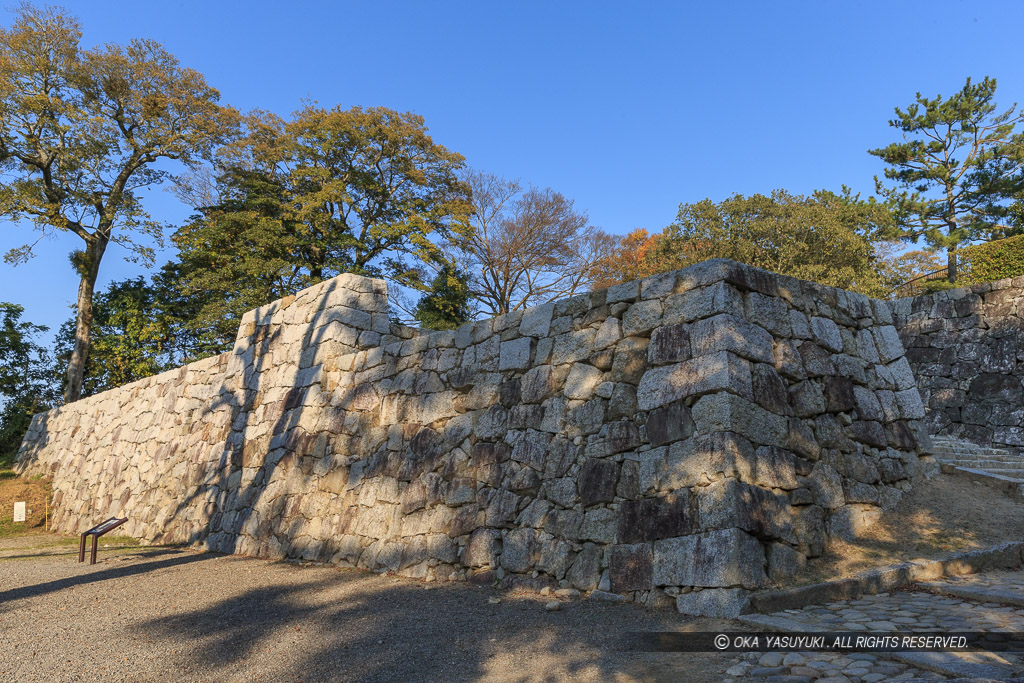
(19, 511)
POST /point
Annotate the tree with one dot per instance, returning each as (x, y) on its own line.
(330, 191)
(241, 253)
(130, 336)
(81, 132)
(526, 247)
(896, 268)
(25, 382)
(637, 255)
(446, 305)
(825, 237)
(956, 169)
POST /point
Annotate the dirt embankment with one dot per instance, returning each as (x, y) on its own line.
(36, 495)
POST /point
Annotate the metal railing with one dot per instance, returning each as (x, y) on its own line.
(915, 286)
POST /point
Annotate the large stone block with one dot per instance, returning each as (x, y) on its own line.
(723, 558)
(718, 372)
(652, 519)
(718, 603)
(706, 458)
(729, 503)
(724, 412)
(582, 381)
(703, 302)
(669, 344)
(669, 423)
(850, 522)
(515, 354)
(597, 480)
(631, 568)
(729, 333)
(482, 549)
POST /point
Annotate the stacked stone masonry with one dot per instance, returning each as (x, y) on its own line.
(966, 347)
(694, 435)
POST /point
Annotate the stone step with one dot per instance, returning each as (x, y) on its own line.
(973, 454)
(986, 463)
(1012, 486)
(1015, 473)
(946, 442)
(979, 450)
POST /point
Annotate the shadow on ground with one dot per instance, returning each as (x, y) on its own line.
(350, 626)
(107, 574)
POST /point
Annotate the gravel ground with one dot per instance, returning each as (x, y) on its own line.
(171, 614)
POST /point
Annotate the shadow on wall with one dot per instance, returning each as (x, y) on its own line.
(245, 465)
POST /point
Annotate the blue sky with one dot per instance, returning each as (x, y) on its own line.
(628, 108)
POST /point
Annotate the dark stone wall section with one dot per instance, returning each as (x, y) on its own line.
(966, 347)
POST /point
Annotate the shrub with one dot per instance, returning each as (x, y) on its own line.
(994, 260)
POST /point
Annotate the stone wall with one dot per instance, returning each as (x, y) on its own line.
(693, 435)
(966, 347)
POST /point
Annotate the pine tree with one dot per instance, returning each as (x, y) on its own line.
(956, 170)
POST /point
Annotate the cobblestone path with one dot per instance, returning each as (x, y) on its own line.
(992, 602)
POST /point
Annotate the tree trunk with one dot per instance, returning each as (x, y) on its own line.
(951, 264)
(89, 271)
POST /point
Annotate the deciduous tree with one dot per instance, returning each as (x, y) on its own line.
(363, 191)
(825, 237)
(131, 336)
(81, 132)
(527, 245)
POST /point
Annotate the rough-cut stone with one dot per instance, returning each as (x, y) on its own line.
(482, 548)
(631, 568)
(669, 344)
(514, 355)
(676, 427)
(784, 562)
(668, 424)
(720, 603)
(652, 519)
(728, 557)
(728, 412)
(728, 333)
(707, 458)
(851, 521)
(597, 481)
(966, 343)
(732, 504)
(719, 372)
(582, 381)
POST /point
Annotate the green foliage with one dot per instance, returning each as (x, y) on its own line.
(937, 285)
(239, 254)
(82, 131)
(331, 191)
(824, 237)
(446, 305)
(956, 169)
(136, 333)
(994, 260)
(25, 384)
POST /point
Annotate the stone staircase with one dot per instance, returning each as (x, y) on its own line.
(995, 467)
